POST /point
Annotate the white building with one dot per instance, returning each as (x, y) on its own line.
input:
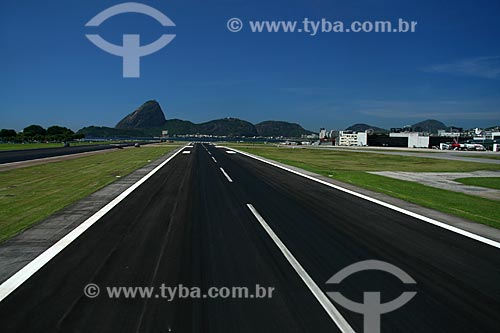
(486, 135)
(450, 134)
(322, 134)
(351, 138)
(415, 139)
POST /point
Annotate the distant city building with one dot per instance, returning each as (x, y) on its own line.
(351, 138)
(486, 135)
(405, 129)
(310, 136)
(415, 139)
(322, 134)
(453, 132)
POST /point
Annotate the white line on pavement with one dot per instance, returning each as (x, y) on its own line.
(332, 311)
(32, 267)
(381, 203)
(227, 176)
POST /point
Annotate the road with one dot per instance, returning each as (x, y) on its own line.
(10, 156)
(190, 224)
(436, 154)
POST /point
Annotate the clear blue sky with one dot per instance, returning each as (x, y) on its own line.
(449, 69)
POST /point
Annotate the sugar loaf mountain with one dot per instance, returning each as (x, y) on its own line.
(149, 120)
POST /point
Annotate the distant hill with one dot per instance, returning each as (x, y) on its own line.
(149, 120)
(271, 128)
(109, 132)
(148, 115)
(364, 127)
(429, 125)
(179, 127)
(227, 126)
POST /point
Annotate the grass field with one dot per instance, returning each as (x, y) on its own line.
(31, 194)
(489, 182)
(22, 146)
(351, 167)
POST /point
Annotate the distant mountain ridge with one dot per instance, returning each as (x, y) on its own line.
(429, 126)
(364, 127)
(277, 128)
(149, 120)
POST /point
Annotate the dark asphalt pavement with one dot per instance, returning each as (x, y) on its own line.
(188, 224)
(9, 156)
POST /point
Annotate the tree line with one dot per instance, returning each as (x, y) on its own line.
(36, 133)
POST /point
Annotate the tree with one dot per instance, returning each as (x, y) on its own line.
(7, 133)
(34, 130)
(59, 130)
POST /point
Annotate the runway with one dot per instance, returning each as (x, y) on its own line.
(10, 156)
(213, 218)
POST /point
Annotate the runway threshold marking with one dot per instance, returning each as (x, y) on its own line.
(332, 311)
(11, 284)
(225, 174)
(381, 203)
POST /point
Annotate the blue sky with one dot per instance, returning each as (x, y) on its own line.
(449, 69)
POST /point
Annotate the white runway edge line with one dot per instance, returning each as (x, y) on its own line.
(332, 311)
(225, 174)
(31, 268)
(381, 203)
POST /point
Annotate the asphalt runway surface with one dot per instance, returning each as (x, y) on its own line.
(190, 224)
(9, 156)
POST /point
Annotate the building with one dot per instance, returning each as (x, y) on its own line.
(415, 139)
(322, 133)
(486, 135)
(351, 138)
(453, 132)
(309, 136)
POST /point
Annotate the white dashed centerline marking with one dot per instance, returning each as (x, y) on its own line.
(230, 152)
(227, 176)
(214, 159)
(186, 152)
(332, 311)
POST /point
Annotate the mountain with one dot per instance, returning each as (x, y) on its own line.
(228, 127)
(109, 132)
(179, 127)
(364, 127)
(149, 120)
(429, 125)
(280, 128)
(148, 115)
